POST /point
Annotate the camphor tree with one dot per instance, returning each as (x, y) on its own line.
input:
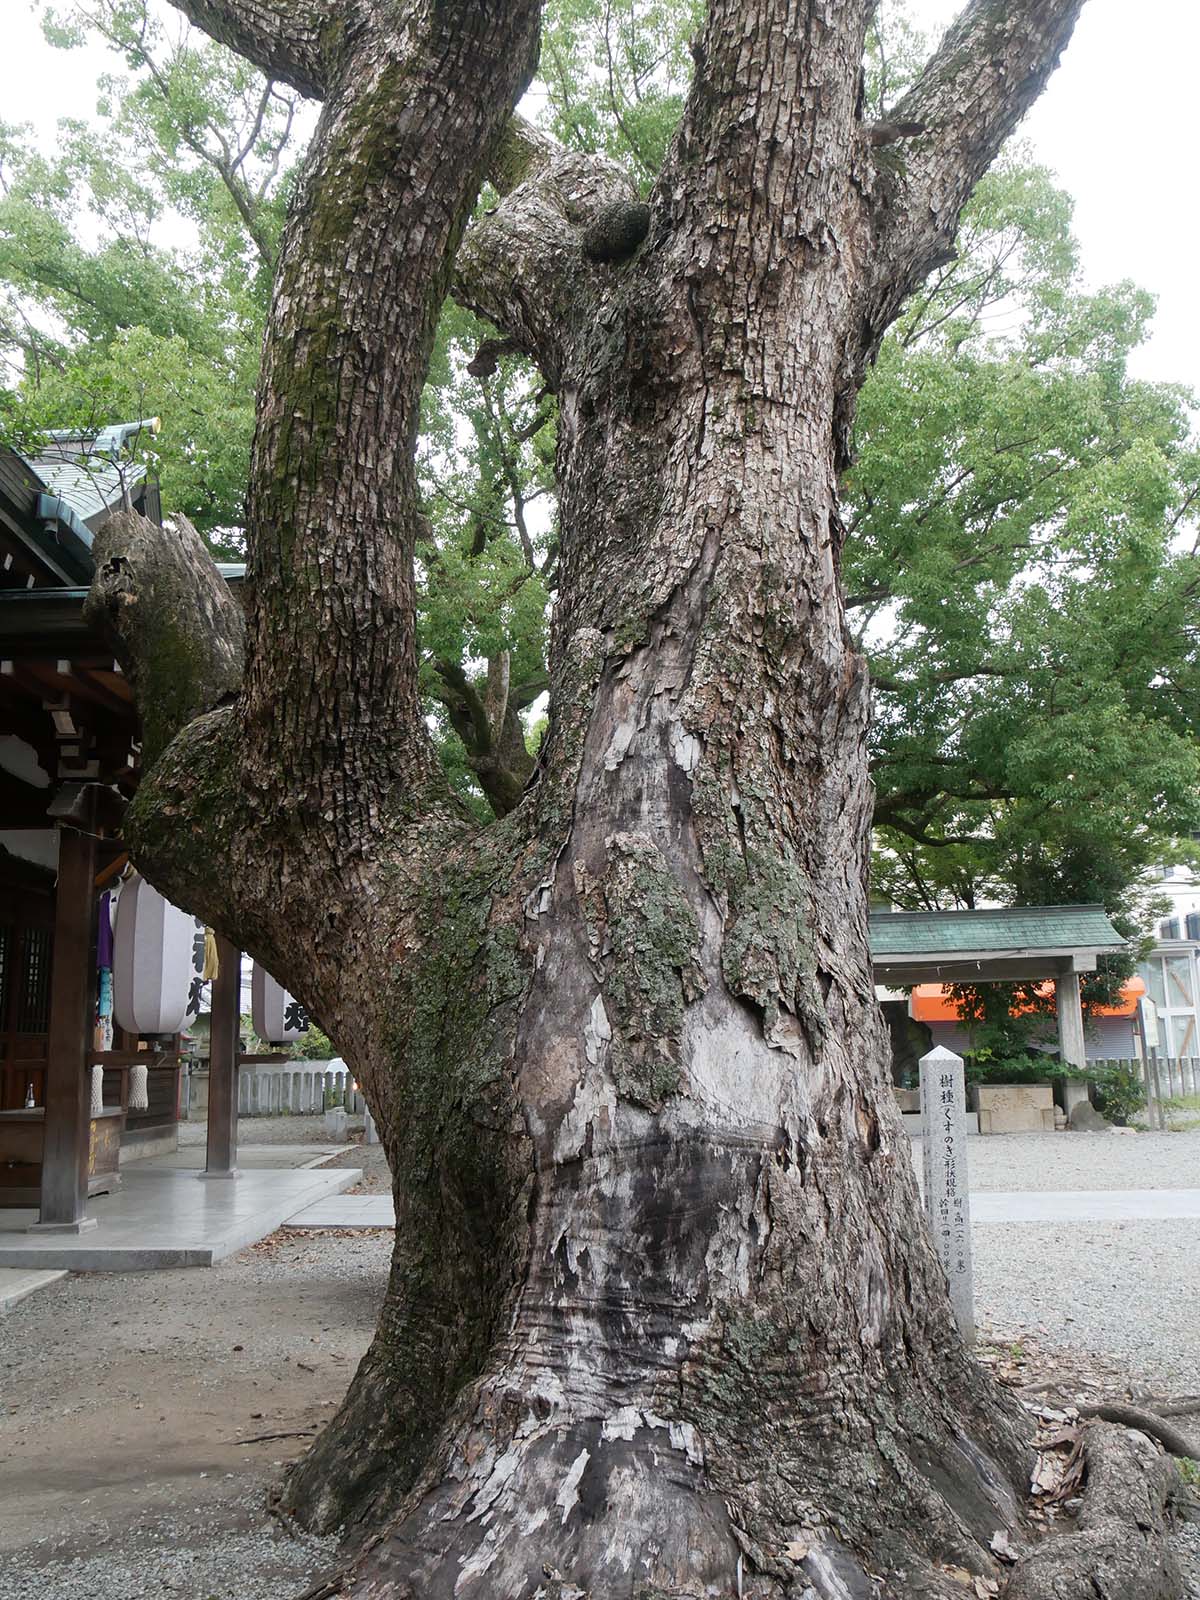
(662, 1319)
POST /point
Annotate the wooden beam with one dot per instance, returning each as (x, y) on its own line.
(72, 997)
(22, 805)
(223, 1042)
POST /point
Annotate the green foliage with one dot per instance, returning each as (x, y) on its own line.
(1120, 1093)
(1005, 1020)
(615, 76)
(315, 1045)
(1021, 568)
(99, 319)
(985, 1066)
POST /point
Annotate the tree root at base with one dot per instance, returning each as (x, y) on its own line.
(1173, 1440)
(1119, 1549)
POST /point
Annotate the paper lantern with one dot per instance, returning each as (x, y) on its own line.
(152, 961)
(277, 1017)
(196, 980)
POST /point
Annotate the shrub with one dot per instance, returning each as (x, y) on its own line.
(1120, 1093)
(986, 1066)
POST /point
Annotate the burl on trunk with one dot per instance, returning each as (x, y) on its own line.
(662, 1318)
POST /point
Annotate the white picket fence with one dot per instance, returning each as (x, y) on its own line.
(1178, 1076)
(299, 1088)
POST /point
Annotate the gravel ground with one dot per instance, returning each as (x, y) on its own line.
(1119, 1290)
(179, 1556)
(125, 1398)
(1023, 1161)
(1122, 1290)
(131, 1410)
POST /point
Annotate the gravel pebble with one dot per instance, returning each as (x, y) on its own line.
(1186, 1540)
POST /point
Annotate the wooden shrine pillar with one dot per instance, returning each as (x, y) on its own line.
(223, 1048)
(1072, 1048)
(65, 1149)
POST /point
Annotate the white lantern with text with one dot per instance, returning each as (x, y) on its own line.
(277, 1017)
(152, 961)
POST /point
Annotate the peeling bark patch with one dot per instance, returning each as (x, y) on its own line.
(568, 1495)
(644, 943)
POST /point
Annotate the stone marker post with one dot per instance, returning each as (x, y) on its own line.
(947, 1204)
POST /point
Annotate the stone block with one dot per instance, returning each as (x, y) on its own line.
(1014, 1107)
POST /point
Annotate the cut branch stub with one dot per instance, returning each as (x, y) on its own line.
(173, 622)
(519, 266)
(616, 230)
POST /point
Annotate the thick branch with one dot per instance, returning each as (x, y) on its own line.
(417, 104)
(490, 728)
(293, 40)
(176, 628)
(989, 69)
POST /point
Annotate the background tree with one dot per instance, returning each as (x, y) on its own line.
(1022, 567)
(662, 1313)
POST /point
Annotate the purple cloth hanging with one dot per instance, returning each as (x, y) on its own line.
(104, 935)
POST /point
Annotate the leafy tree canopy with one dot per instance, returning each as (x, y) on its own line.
(1021, 559)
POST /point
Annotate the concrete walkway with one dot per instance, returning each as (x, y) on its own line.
(191, 1157)
(17, 1284)
(164, 1217)
(347, 1211)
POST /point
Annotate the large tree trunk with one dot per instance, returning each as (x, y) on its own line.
(663, 1319)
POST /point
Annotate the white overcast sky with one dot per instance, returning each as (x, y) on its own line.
(1117, 124)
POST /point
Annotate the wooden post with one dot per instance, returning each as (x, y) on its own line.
(67, 1137)
(221, 1157)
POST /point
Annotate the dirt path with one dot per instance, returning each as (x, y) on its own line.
(124, 1400)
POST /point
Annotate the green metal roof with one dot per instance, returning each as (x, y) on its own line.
(1012, 929)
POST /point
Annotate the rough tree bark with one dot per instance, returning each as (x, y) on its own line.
(662, 1318)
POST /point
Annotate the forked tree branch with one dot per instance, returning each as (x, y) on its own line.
(989, 69)
(293, 40)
